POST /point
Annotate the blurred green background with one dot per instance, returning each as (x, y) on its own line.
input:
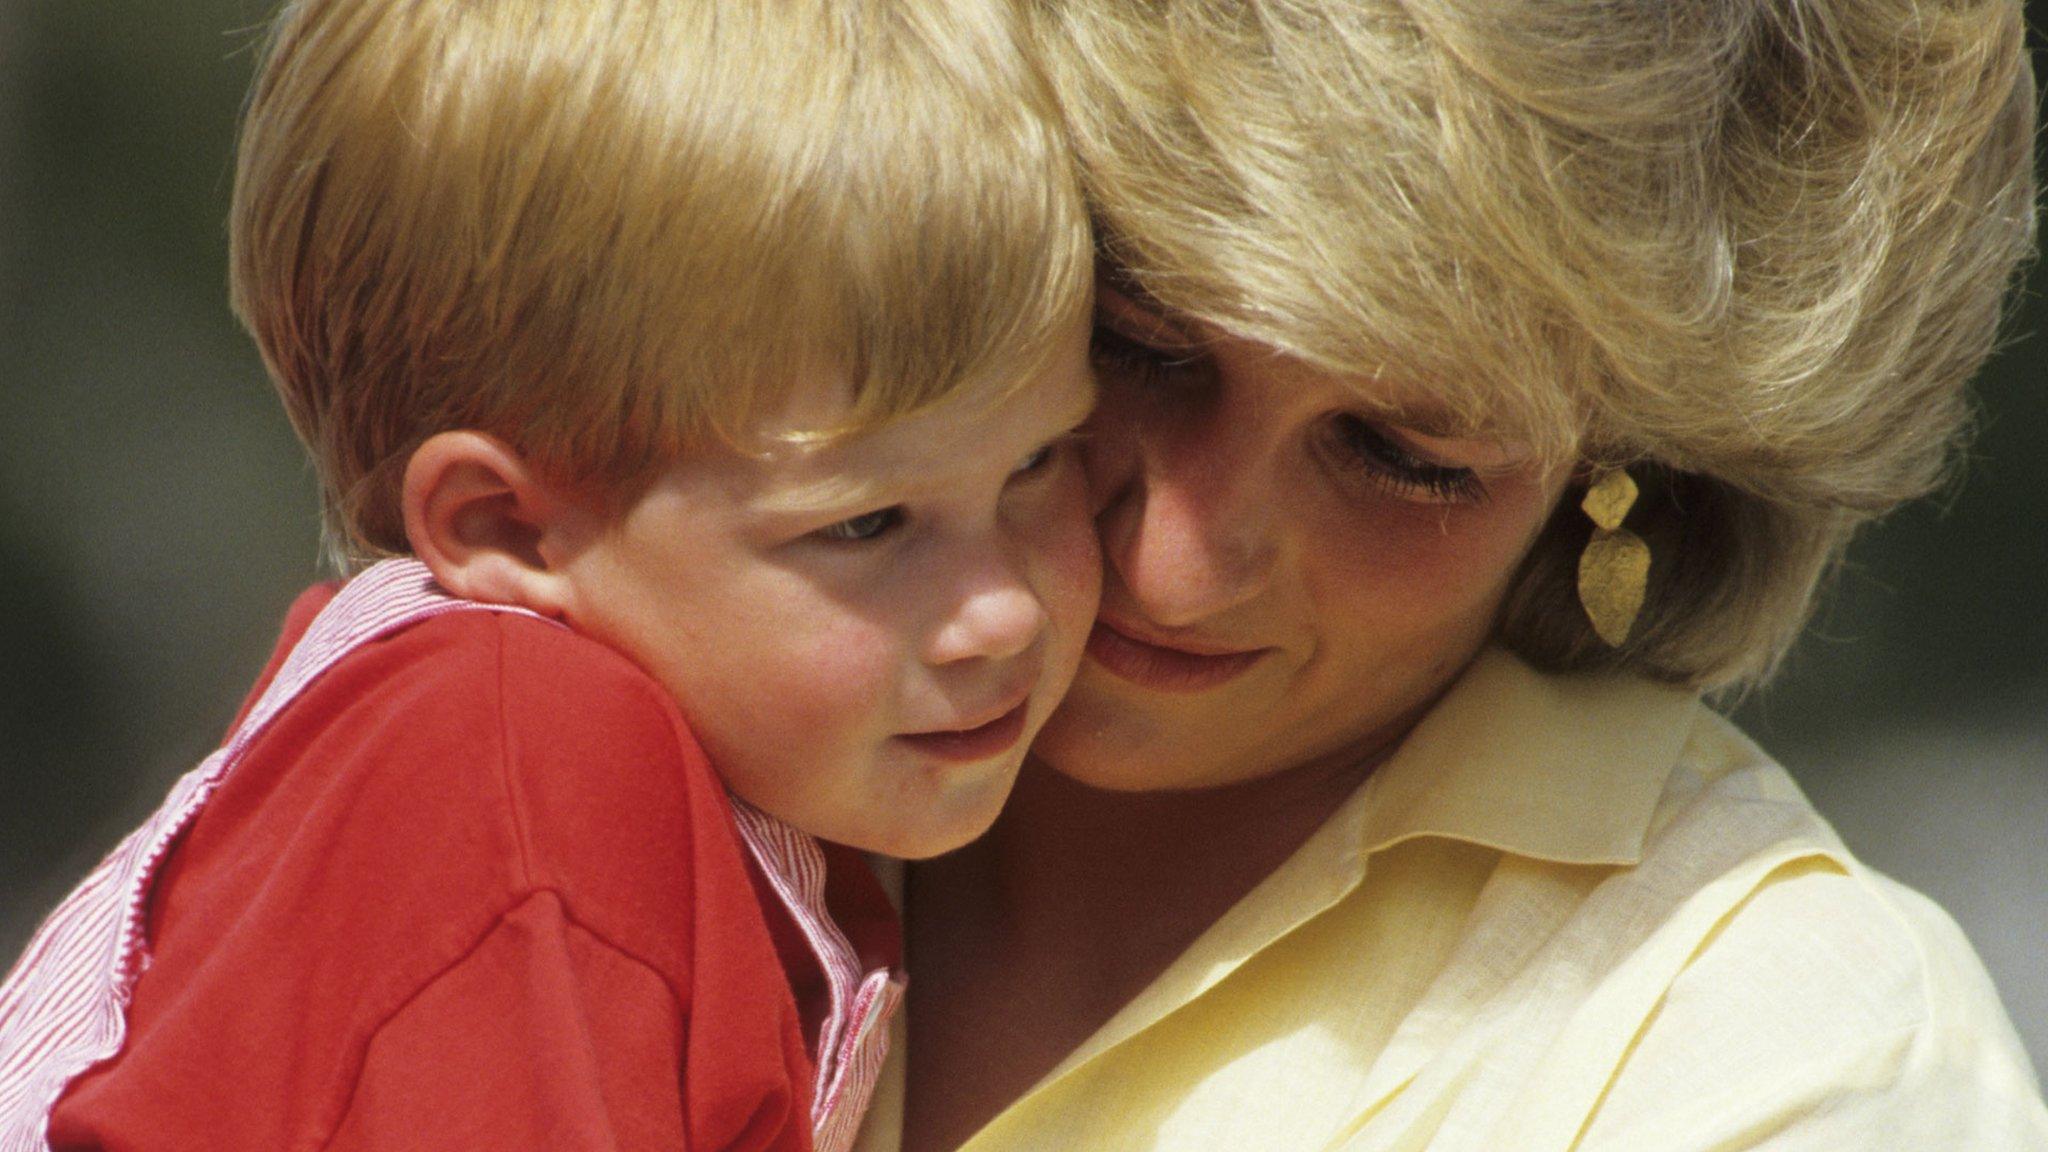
(156, 517)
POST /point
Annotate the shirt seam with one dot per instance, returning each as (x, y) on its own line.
(497, 923)
(515, 812)
(1930, 1025)
(1929, 973)
(1899, 1041)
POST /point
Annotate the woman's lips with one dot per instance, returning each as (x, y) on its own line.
(1160, 667)
(969, 744)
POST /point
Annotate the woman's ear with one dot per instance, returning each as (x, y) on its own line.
(488, 526)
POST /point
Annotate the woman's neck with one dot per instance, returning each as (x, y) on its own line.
(1133, 877)
(1026, 942)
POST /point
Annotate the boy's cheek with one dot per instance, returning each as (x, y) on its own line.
(792, 739)
(841, 682)
(801, 690)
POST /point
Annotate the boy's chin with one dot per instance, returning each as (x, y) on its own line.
(940, 824)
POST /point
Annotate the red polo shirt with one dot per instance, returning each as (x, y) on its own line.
(476, 888)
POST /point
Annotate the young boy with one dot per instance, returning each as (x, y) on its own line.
(703, 372)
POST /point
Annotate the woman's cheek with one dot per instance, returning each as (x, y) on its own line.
(1069, 567)
(1424, 562)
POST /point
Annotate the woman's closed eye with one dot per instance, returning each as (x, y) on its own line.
(1357, 446)
(1134, 341)
(1145, 363)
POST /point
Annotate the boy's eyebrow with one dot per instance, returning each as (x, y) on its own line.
(879, 476)
(836, 491)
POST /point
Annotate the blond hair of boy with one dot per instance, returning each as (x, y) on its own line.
(748, 340)
(607, 230)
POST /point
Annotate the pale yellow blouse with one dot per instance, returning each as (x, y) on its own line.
(1570, 913)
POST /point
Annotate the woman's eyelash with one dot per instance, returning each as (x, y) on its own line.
(1360, 446)
(1376, 454)
(1116, 350)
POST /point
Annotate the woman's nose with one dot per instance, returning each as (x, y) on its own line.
(1184, 531)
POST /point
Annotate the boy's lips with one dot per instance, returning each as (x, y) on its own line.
(1168, 667)
(977, 743)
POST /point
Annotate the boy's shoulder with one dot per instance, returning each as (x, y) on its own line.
(434, 779)
(581, 758)
(547, 681)
(552, 691)
(451, 824)
(454, 768)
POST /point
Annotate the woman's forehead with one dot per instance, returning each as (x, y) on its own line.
(1378, 390)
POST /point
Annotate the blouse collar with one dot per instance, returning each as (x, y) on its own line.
(1562, 768)
(1567, 769)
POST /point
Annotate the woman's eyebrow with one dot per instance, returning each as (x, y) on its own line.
(1425, 418)
(1149, 320)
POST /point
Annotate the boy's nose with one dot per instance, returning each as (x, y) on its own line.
(997, 616)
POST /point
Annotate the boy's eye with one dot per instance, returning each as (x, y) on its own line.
(866, 526)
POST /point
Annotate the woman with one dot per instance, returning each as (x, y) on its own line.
(1384, 813)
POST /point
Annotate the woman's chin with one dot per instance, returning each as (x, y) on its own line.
(1112, 747)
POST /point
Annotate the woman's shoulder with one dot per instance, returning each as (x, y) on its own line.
(1788, 984)
(1771, 891)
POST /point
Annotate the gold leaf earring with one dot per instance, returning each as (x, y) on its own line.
(1614, 570)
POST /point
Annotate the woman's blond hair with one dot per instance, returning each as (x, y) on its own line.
(605, 230)
(1753, 249)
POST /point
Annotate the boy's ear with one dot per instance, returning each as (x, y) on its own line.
(488, 526)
